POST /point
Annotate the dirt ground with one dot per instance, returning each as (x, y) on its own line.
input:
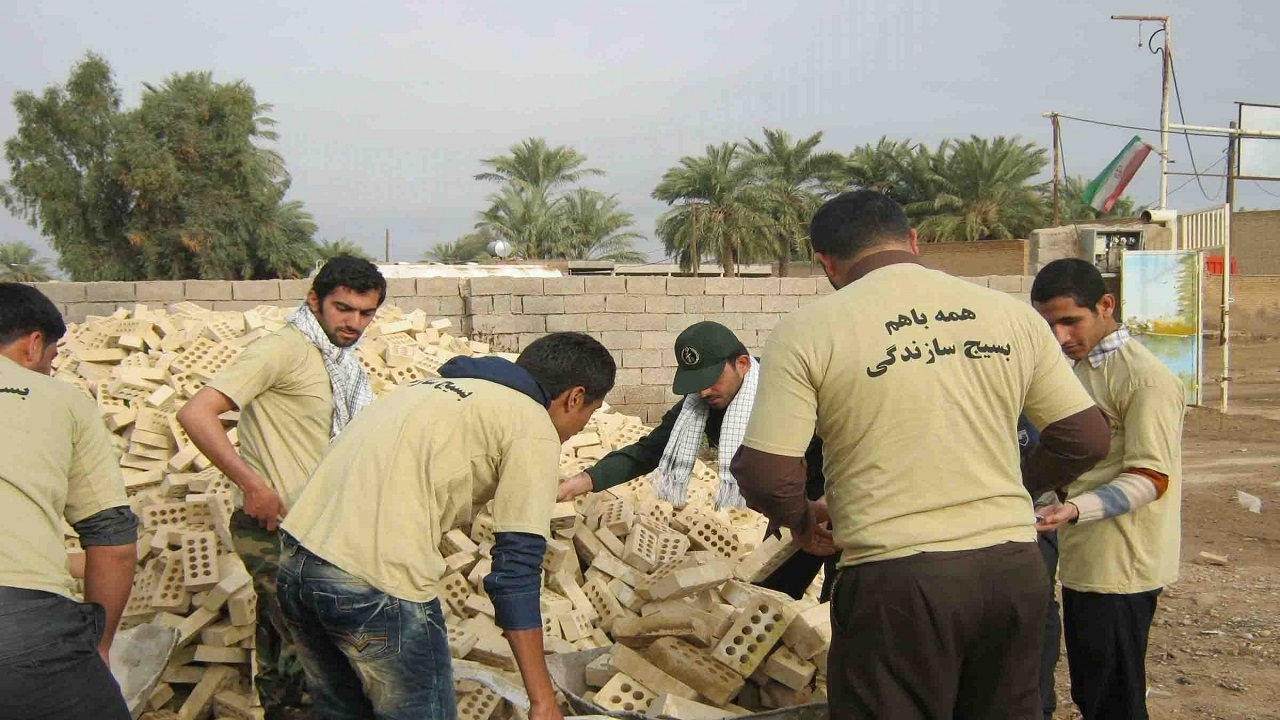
(1215, 644)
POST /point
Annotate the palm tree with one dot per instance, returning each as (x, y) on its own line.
(902, 170)
(790, 178)
(525, 217)
(471, 247)
(18, 263)
(713, 211)
(595, 229)
(982, 191)
(329, 249)
(534, 165)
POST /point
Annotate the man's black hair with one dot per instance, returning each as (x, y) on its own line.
(563, 360)
(24, 310)
(740, 351)
(350, 272)
(854, 221)
(1069, 277)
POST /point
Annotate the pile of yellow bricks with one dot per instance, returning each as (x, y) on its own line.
(668, 591)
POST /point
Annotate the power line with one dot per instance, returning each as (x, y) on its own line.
(1264, 189)
(1129, 127)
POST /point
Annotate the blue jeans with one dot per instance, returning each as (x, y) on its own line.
(366, 654)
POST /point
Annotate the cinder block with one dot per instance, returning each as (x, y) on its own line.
(159, 291)
(566, 323)
(62, 292)
(605, 323)
(742, 303)
(778, 303)
(1005, 283)
(542, 304)
(646, 286)
(752, 637)
(492, 286)
(205, 290)
(295, 289)
(109, 292)
(440, 287)
(620, 340)
(255, 290)
(644, 322)
(703, 304)
(723, 286)
(685, 286)
(695, 668)
(760, 286)
(656, 340)
(563, 286)
(677, 323)
(664, 304)
(640, 358)
(798, 286)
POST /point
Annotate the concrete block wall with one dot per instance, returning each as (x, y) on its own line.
(636, 318)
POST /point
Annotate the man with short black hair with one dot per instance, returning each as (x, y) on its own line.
(361, 562)
(296, 389)
(1119, 524)
(915, 381)
(717, 378)
(57, 462)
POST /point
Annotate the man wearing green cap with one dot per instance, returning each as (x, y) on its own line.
(717, 377)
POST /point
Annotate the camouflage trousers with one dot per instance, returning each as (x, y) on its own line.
(280, 681)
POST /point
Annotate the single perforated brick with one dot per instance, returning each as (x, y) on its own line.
(695, 668)
(170, 593)
(461, 640)
(200, 560)
(616, 516)
(478, 704)
(602, 599)
(168, 515)
(789, 668)
(139, 603)
(752, 637)
(482, 528)
(456, 591)
(707, 534)
(641, 550)
(623, 694)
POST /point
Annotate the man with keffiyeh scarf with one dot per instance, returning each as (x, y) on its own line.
(717, 377)
(296, 389)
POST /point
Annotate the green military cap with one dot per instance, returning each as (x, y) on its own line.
(701, 351)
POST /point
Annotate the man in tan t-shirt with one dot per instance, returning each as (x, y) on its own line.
(295, 389)
(57, 463)
(1119, 529)
(361, 564)
(915, 380)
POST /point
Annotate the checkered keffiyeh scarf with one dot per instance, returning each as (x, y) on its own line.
(351, 391)
(1108, 345)
(676, 466)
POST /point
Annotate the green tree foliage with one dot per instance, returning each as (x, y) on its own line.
(472, 247)
(790, 181)
(540, 220)
(329, 249)
(178, 187)
(596, 229)
(1073, 208)
(714, 211)
(19, 263)
(63, 178)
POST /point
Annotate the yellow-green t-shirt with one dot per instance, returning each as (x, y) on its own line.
(286, 409)
(1138, 551)
(914, 380)
(414, 465)
(56, 463)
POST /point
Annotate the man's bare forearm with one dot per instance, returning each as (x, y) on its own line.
(200, 418)
(526, 645)
(108, 578)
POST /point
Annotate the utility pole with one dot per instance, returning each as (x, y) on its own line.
(1053, 118)
(1225, 323)
(1165, 73)
(386, 245)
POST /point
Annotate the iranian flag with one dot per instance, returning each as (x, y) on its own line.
(1102, 193)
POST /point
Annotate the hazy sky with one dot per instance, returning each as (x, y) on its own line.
(385, 109)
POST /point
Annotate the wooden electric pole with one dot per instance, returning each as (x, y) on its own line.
(1053, 117)
(386, 245)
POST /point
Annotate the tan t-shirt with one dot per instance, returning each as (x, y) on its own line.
(415, 465)
(286, 409)
(56, 463)
(1138, 551)
(914, 380)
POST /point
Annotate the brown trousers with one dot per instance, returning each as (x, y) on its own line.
(939, 635)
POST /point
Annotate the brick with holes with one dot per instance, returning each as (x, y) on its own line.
(200, 560)
(752, 637)
(624, 694)
(694, 667)
(809, 634)
(641, 550)
(634, 664)
(788, 668)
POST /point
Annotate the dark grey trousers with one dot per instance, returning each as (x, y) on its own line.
(49, 663)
